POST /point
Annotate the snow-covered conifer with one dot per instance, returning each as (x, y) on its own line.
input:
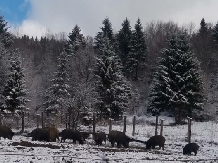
(5, 36)
(57, 95)
(112, 87)
(76, 39)
(124, 43)
(106, 31)
(137, 56)
(215, 33)
(177, 85)
(14, 92)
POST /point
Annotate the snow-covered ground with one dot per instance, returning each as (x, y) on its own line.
(205, 134)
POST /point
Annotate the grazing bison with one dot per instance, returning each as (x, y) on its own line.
(157, 140)
(189, 148)
(120, 138)
(53, 133)
(40, 135)
(6, 132)
(99, 138)
(71, 134)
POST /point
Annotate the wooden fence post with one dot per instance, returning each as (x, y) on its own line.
(189, 129)
(156, 125)
(110, 125)
(124, 126)
(66, 120)
(17, 121)
(42, 119)
(28, 116)
(37, 120)
(134, 120)
(22, 128)
(69, 120)
(94, 122)
(161, 129)
(0, 118)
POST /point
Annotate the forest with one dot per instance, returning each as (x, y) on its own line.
(158, 68)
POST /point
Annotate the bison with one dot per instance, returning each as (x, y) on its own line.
(189, 148)
(6, 132)
(53, 133)
(40, 135)
(71, 134)
(99, 138)
(157, 140)
(120, 138)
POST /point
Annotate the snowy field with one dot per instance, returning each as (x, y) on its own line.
(205, 134)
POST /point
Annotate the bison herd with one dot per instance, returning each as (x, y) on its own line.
(51, 134)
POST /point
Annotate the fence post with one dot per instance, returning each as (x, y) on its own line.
(28, 116)
(37, 121)
(156, 125)
(0, 118)
(124, 126)
(66, 120)
(22, 128)
(69, 120)
(161, 128)
(110, 125)
(134, 120)
(94, 121)
(189, 129)
(17, 120)
(42, 119)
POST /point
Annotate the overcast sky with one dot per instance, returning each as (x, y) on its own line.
(35, 17)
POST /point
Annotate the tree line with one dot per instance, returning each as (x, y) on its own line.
(159, 68)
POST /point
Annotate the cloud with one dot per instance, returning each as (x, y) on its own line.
(29, 27)
(63, 15)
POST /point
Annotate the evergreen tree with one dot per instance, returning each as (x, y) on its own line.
(57, 95)
(3, 71)
(112, 87)
(124, 43)
(5, 36)
(203, 28)
(76, 39)
(137, 56)
(215, 33)
(14, 91)
(177, 85)
(106, 31)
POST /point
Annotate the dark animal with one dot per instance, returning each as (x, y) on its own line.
(40, 135)
(99, 138)
(6, 132)
(53, 133)
(157, 140)
(73, 135)
(85, 135)
(189, 148)
(120, 138)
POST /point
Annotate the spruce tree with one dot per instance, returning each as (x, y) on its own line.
(203, 28)
(14, 92)
(5, 36)
(124, 43)
(177, 85)
(3, 71)
(215, 33)
(57, 94)
(137, 56)
(75, 39)
(106, 31)
(112, 87)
